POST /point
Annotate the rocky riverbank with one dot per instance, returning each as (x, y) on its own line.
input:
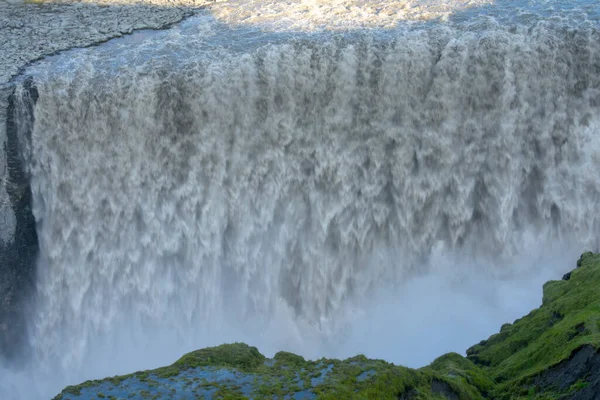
(33, 30)
(551, 353)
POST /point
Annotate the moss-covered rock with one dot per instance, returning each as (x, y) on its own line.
(238, 355)
(237, 371)
(524, 357)
(551, 353)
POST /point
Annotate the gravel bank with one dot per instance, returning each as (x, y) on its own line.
(30, 31)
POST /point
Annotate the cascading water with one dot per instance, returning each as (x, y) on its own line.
(213, 183)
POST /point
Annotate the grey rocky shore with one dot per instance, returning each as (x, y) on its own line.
(29, 31)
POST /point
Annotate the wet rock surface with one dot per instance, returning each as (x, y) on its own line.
(17, 255)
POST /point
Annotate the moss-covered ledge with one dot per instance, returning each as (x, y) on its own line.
(239, 371)
(522, 356)
(551, 353)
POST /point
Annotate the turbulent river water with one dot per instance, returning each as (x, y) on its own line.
(397, 192)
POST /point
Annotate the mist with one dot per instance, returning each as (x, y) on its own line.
(453, 306)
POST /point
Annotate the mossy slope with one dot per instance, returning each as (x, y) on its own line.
(237, 371)
(551, 353)
(522, 355)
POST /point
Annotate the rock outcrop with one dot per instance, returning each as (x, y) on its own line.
(18, 253)
(238, 371)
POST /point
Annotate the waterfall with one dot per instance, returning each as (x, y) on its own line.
(279, 184)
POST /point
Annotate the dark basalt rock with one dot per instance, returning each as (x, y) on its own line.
(584, 365)
(18, 256)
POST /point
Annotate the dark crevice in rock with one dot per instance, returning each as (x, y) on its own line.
(475, 359)
(578, 330)
(18, 256)
(444, 389)
(555, 317)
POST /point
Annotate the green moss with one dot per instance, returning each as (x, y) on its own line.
(283, 357)
(76, 390)
(577, 386)
(567, 320)
(387, 382)
(236, 355)
(168, 372)
(464, 373)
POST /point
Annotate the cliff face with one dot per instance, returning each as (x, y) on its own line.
(31, 31)
(551, 353)
(19, 247)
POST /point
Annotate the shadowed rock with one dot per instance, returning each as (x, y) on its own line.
(18, 255)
